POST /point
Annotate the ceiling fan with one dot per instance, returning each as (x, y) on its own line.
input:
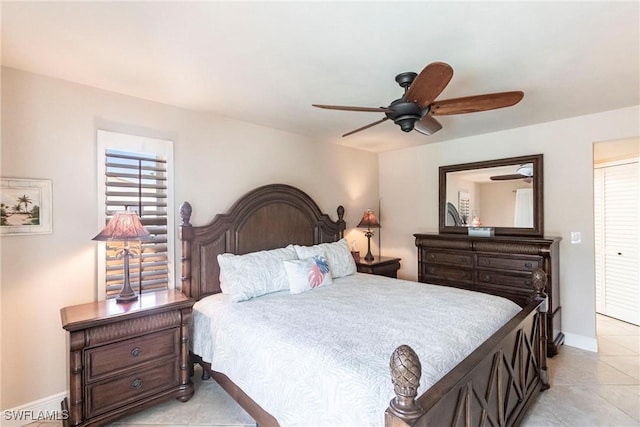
(522, 172)
(418, 105)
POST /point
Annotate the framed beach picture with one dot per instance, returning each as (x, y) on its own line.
(25, 206)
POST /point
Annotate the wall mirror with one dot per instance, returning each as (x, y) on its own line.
(506, 194)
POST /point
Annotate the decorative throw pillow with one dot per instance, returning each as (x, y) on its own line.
(254, 274)
(307, 274)
(338, 256)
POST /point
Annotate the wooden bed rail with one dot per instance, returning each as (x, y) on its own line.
(496, 391)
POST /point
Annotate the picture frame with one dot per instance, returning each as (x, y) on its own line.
(25, 206)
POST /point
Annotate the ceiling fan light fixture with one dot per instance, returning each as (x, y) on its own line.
(427, 125)
(525, 170)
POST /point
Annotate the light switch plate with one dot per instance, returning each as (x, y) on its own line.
(576, 237)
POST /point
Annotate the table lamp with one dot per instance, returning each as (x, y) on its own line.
(124, 226)
(368, 221)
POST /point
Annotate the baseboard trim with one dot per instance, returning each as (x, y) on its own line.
(46, 409)
(580, 341)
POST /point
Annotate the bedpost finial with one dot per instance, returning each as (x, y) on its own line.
(185, 213)
(539, 280)
(406, 371)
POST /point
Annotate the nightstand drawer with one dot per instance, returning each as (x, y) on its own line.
(106, 395)
(109, 359)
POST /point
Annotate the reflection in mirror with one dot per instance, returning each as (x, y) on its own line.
(505, 194)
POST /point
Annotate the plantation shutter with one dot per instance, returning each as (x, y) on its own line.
(138, 182)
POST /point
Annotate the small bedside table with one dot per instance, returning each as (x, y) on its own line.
(381, 265)
(126, 357)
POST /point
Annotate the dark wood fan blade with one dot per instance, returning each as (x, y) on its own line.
(346, 108)
(365, 127)
(427, 125)
(429, 84)
(507, 177)
(472, 104)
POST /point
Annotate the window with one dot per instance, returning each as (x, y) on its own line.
(135, 173)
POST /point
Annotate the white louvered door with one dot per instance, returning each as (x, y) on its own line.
(616, 192)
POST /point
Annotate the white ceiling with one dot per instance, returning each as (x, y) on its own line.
(267, 62)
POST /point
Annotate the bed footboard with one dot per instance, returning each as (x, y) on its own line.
(493, 386)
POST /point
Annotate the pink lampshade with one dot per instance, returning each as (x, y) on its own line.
(369, 220)
(123, 226)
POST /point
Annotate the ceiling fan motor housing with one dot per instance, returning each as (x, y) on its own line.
(404, 114)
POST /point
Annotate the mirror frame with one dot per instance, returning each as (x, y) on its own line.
(538, 195)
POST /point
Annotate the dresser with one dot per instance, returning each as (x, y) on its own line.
(126, 357)
(495, 265)
(380, 265)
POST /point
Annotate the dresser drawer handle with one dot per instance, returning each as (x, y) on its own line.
(463, 259)
(486, 277)
(528, 265)
(136, 352)
(528, 282)
(137, 383)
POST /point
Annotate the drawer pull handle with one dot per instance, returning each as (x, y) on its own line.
(137, 383)
(528, 282)
(462, 259)
(487, 278)
(528, 265)
(136, 352)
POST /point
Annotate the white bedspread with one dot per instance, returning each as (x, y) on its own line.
(321, 358)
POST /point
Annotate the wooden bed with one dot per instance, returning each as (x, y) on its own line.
(493, 386)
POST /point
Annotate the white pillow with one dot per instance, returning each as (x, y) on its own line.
(338, 256)
(307, 274)
(254, 274)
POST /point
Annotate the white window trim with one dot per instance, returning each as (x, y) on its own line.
(120, 141)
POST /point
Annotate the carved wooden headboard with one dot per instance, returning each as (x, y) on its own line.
(268, 217)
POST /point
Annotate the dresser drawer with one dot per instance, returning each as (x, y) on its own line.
(109, 394)
(436, 273)
(450, 258)
(498, 278)
(510, 263)
(109, 359)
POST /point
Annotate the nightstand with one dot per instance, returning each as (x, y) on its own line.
(126, 357)
(381, 265)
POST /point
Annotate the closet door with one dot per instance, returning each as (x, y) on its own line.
(598, 237)
(618, 294)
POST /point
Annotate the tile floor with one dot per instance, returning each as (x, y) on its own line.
(587, 389)
(593, 389)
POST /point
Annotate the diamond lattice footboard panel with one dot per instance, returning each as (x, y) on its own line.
(509, 370)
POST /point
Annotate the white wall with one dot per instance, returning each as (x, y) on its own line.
(409, 187)
(48, 132)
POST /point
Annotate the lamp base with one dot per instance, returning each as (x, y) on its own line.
(126, 294)
(368, 256)
(126, 298)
